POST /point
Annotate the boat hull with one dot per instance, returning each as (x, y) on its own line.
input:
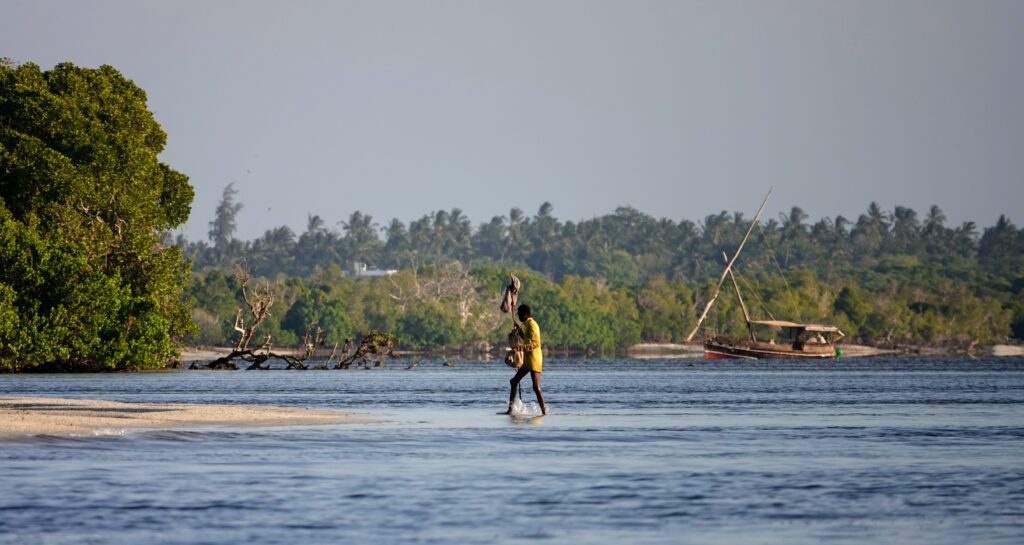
(716, 349)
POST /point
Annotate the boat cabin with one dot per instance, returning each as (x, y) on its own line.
(792, 333)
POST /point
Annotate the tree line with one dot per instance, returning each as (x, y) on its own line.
(90, 277)
(622, 278)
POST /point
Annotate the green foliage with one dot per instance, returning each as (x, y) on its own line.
(902, 297)
(665, 308)
(851, 304)
(279, 333)
(318, 310)
(1016, 307)
(219, 294)
(427, 324)
(605, 282)
(85, 282)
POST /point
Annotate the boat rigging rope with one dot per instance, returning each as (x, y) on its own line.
(749, 288)
(771, 252)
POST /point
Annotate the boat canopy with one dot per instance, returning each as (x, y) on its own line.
(806, 327)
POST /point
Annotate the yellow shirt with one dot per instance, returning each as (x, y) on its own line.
(533, 360)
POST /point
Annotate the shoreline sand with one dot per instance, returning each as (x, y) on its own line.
(693, 350)
(50, 415)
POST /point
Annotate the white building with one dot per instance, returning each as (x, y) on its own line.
(359, 269)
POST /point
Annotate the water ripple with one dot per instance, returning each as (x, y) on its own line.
(851, 451)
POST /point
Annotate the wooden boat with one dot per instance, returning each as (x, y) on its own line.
(784, 340)
(768, 338)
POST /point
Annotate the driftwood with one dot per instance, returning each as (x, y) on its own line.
(371, 351)
(257, 357)
(372, 348)
(259, 300)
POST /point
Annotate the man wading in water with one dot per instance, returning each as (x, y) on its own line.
(533, 361)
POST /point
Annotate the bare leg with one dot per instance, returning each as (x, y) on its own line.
(520, 373)
(536, 390)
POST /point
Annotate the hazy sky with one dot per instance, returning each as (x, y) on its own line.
(677, 108)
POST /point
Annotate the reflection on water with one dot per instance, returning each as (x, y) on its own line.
(853, 451)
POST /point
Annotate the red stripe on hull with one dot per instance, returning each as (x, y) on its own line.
(717, 356)
(718, 351)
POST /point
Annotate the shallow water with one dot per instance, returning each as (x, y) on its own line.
(685, 451)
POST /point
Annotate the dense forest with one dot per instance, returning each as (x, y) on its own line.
(886, 277)
(84, 281)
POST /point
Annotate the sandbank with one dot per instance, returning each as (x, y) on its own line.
(48, 415)
(203, 354)
(1007, 350)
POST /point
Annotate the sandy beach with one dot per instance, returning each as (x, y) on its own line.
(39, 415)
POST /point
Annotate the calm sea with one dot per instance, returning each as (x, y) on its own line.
(684, 451)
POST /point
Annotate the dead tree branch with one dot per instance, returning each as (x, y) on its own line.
(373, 348)
(259, 300)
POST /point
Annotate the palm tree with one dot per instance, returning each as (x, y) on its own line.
(965, 240)
(999, 242)
(516, 244)
(489, 239)
(543, 235)
(273, 252)
(685, 249)
(841, 249)
(714, 229)
(936, 218)
(905, 229)
(316, 247)
(871, 232)
(361, 241)
(421, 236)
(458, 236)
(794, 235)
(314, 223)
(935, 233)
(396, 249)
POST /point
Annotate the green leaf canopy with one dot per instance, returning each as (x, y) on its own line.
(84, 280)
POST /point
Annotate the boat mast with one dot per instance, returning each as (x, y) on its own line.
(736, 286)
(728, 267)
